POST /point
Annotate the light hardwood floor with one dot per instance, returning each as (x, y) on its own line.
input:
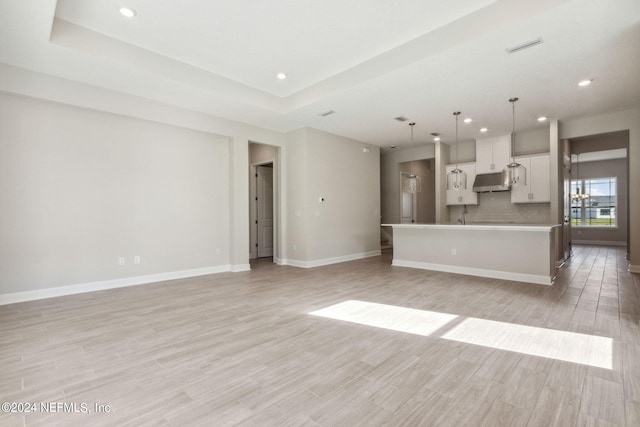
(242, 349)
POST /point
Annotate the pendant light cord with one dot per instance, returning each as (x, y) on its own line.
(457, 113)
(411, 125)
(578, 186)
(513, 132)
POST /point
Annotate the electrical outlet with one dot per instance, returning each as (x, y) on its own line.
(136, 259)
(454, 252)
(121, 261)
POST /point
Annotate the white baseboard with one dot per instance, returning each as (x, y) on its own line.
(328, 261)
(240, 267)
(115, 283)
(494, 274)
(634, 268)
(293, 263)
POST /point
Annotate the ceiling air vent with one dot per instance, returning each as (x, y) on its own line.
(327, 113)
(400, 119)
(524, 45)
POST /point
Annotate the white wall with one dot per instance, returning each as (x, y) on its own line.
(532, 141)
(613, 122)
(466, 152)
(297, 208)
(21, 81)
(346, 224)
(81, 188)
(18, 81)
(262, 153)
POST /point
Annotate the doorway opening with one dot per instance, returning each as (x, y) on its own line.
(408, 202)
(263, 202)
(418, 208)
(598, 191)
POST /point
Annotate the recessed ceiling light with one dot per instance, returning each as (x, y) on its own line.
(281, 76)
(585, 82)
(468, 120)
(436, 139)
(392, 146)
(483, 130)
(127, 12)
(542, 119)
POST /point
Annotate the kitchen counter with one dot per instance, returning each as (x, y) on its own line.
(519, 252)
(478, 226)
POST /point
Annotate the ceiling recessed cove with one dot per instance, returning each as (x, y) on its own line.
(524, 45)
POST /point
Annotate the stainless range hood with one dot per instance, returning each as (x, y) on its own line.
(486, 182)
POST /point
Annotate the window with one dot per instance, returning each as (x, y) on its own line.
(593, 202)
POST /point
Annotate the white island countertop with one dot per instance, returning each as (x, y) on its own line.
(480, 226)
(519, 252)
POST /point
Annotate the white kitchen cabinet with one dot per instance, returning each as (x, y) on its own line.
(463, 196)
(537, 188)
(493, 154)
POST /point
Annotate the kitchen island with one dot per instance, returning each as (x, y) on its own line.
(523, 253)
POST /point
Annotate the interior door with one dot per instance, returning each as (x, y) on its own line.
(407, 203)
(264, 191)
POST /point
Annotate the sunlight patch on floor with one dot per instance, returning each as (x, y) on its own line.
(418, 322)
(571, 347)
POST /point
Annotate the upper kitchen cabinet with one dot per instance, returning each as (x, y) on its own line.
(537, 188)
(463, 196)
(493, 154)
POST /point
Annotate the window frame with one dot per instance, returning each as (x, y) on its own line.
(582, 221)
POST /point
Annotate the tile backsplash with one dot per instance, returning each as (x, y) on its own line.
(497, 207)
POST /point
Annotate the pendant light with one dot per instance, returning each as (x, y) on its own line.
(514, 170)
(412, 184)
(457, 178)
(577, 195)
